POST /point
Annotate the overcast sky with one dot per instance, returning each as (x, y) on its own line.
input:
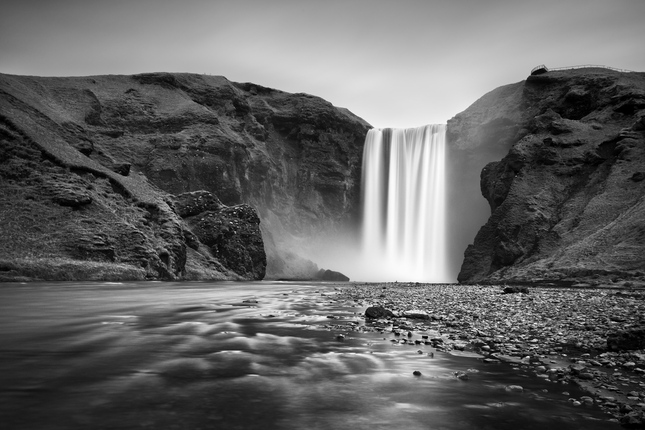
(395, 63)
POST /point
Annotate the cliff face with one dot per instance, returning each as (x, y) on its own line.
(139, 143)
(567, 200)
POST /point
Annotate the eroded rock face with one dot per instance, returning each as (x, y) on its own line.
(230, 234)
(565, 200)
(294, 157)
(482, 134)
(59, 223)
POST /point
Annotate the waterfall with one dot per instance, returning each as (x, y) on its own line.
(404, 205)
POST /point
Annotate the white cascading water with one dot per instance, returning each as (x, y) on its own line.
(404, 205)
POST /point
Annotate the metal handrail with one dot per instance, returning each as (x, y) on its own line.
(585, 66)
(541, 66)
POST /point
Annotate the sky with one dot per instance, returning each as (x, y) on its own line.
(402, 63)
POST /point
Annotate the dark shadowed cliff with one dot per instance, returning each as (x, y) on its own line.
(565, 183)
(170, 176)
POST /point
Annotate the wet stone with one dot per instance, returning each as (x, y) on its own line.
(378, 312)
(514, 388)
(561, 335)
(461, 375)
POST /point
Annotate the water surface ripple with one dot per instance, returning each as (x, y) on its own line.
(241, 356)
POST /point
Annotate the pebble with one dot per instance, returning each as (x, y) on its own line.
(461, 375)
(514, 388)
(537, 332)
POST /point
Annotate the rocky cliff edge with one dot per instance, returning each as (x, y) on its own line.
(567, 197)
(97, 172)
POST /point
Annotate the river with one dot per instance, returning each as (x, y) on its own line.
(256, 355)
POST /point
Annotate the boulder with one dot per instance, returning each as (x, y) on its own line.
(234, 238)
(515, 290)
(121, 168)
(378, 312)
(331, 276)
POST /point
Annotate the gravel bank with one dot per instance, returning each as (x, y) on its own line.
(558, 334)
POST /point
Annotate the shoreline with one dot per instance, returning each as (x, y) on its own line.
(557, 334)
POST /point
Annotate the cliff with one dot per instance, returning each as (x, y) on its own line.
(563, 157)
(98, 172)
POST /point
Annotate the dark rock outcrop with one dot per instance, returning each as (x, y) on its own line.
(331, 276)
(196, 202)
(483, 133)
(563, 185)
(63, 219)
(515, 290)
(377, 312)
(231, 234)
(295, 158)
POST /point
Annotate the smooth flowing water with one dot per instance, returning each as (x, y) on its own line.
(242, 356)
(404, 204)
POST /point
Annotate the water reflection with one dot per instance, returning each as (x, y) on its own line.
(245, 356)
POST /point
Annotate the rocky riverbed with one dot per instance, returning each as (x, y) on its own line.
(593, 338)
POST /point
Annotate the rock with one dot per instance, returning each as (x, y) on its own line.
(415, 314)
(196, 202)
(461, 375)
(515, 290)
(378, 312)
(577, 368)
(635, 419)
(331, 276)
(294, 157)
(234, 238)
(508, 359)
(514, 388)
(626, 340)
(121, 168)
(69, 194)
(637, 177)
(416, 373)
(543, 146)
(99, 225)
